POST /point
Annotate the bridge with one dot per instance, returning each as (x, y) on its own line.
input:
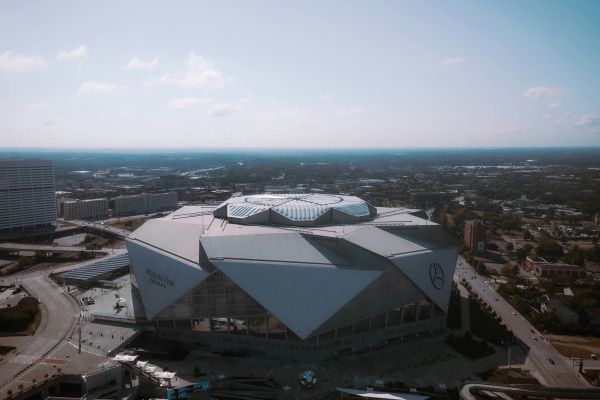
(475, 391)
(16, 248)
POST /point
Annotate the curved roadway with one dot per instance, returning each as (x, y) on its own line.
(60, 315)
(470, 391)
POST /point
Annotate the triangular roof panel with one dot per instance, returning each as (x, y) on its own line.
(301, 296)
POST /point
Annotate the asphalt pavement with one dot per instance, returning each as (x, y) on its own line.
(60, 316)
(547, 363)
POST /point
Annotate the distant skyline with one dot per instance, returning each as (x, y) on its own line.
(269, 74)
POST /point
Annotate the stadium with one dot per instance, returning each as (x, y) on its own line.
(296, 276)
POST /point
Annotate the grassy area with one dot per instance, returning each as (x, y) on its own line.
(131, 225)
(508, 376)
(20, 317)
(575, 346)
(35, 324)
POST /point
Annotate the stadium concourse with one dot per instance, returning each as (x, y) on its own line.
(305, 276)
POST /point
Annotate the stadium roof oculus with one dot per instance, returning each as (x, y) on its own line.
(295, 209)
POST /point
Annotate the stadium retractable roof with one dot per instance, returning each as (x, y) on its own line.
(295, 209)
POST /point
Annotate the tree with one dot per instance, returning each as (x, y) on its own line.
(583, 319)
(576, 256)
(481, 268)
(507, 269)
(521, 254)
(510, 246)
(547, 285)
(549, 248)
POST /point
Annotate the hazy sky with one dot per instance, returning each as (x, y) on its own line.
(178, 74)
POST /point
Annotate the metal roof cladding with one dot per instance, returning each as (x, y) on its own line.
(292, 209)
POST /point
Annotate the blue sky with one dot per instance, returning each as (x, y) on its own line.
(299, 74)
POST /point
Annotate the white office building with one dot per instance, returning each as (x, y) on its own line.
(27, 198)
(86, 209)
(144, 203)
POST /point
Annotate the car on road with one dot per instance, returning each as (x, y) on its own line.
(551, 361)
(514, 313)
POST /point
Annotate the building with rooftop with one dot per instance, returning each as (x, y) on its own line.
(475, 235)
(296, 276)
(144, 203)
(85, 209)
(27, 194)
(558, 270)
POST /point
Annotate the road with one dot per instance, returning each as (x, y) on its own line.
(476, 391)
(46, 248)
(60, 316)
(100, 226)
(551, 367)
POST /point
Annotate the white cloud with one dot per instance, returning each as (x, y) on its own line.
(587, 120)
(98, 88)
(222, 109)
(554, 105)
(327, 97)
(78, 53)
(452, 60)
(53, 122)
(199, 73)
(288, 115)
(18, 63)
(136, 63)
(540, 92)
(513, 130)
(39, 106)
(188, 103)
(352, 112)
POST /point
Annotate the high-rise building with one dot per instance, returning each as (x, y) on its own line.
(27, 194)
(475, 235)
(86, 209)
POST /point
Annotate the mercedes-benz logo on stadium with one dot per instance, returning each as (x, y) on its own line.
(436, 275)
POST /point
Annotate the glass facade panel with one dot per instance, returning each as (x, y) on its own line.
(276, 328)
(361, 326)
(326, 337)
(410, 314)
(219, 324)
(201, 325)
(424, 310)
(378, 321)
(292, 337)
(257, 326)
(395, 317)
(238, 326)
(344, 331)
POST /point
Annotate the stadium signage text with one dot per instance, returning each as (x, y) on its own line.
(159, 279)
